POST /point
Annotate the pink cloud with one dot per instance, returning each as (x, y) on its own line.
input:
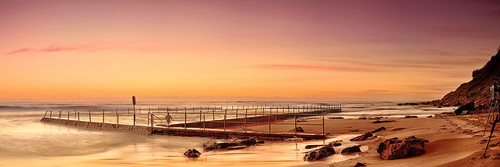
(45, 50)
(313, 67)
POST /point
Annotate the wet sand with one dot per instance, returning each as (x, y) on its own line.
(453, 141)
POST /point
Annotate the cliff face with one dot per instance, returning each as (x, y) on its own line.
(478, 89)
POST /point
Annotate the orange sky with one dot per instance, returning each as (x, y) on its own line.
(242, 50)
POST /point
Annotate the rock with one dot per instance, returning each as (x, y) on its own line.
(467, 108)
(297, 129)
(411, 116)
(362, 118)
(430, 116)
(236, 147)
(312, 146)
(362, 137)
(248, 142)
(397, 129)
(217, 145)
(335, 117)
(335, 144)
(378, 130)
(396, 149)
(350, 150)
(359, 164)
(384, 121)
(320, 153)
(192, 153)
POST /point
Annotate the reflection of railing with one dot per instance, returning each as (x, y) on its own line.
(223, 118)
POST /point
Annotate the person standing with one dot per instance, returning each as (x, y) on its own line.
(168, 118)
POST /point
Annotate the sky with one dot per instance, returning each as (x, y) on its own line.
(352, 50)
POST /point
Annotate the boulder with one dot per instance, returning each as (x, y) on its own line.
(378, 130)
(362, 137)
(320, 153)
(217, 145)
(350, 150)
(297, 129)
(396, 149)
(312, 146)
(248, 142)
(359, 164)
(335, 144)
(192, 153)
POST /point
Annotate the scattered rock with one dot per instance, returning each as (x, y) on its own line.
(335, 144)
(362, 118)
(297, 129)
(396, 149)
(192, 153)
(465, 109)
(397, 129)
(320, 153)
(384, 121)
(236, 147)
(411, 116)
(362, 137)
(430, 116)
(224, 145)
(350, 150)
(335, 117)
(378, 130)
(312, 146)
(359, 164)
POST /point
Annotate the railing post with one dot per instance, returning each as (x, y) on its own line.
(269, 122)
(246, 112)
(295, 125)
(203, 121)
(185, 117)
(117, 119)
(102, 115)
(152, 121)
(50, 113)
(90, 117)
(200, 115)
(225, 115)
(45, 114)
(213, 115)
(149, 115)
(255, 112)
(78, 116)
(68, 115)
(237, 112)
(75, 114)
(323, 124)
(60, 114)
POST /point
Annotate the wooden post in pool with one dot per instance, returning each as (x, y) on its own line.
(255, 109)
(45, 114)
(185, 117)
(133, 102)
(102, 115)
(246, 112)
(225, 115)
(75, 114)
(90, 117)
(269, 122)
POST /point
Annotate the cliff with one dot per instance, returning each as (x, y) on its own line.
(476, 91)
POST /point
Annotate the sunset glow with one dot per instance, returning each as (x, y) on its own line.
(250, 50)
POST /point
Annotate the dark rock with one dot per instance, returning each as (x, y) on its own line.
(248, 142)
(411, 116)
(236, 147)
(192, 153)
(335, 117)
(297, 129)
(397, 129)
(362, 137)
(350, 150)
(312, 146)
(320, 153)
(384, 121)
(378, 130)
(362, 118)
(359, 164)
(468, 107)
(407, 104)
(217, 145)
(430, 116)
(335, 144)
(396, 149)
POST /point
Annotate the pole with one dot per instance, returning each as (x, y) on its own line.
(78, 116)
(75, 114)
(185, 117)
(152, 121)
(237, 112)
(45, 114)
(203, 121)
(200, 115)
(90, 117)
(50, 113)
(133, 102)
(60, 114)
(295, 124)
(323, 125)
(269, 122)
(149, 115)
(213, 115)
(225, 115)
(246, 112)
(68, 115)
(102, 115)
(117, 118)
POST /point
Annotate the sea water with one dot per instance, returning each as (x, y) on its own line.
(25, 141)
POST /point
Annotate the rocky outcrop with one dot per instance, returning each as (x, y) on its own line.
(362, 137)
(192, 153)
(378, 130)
(320, 153)
(230, 144)
(396, 149)
(297, 129)
(350, 150)
(475, 91)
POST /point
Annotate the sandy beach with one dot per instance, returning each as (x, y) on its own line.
(453, 140)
